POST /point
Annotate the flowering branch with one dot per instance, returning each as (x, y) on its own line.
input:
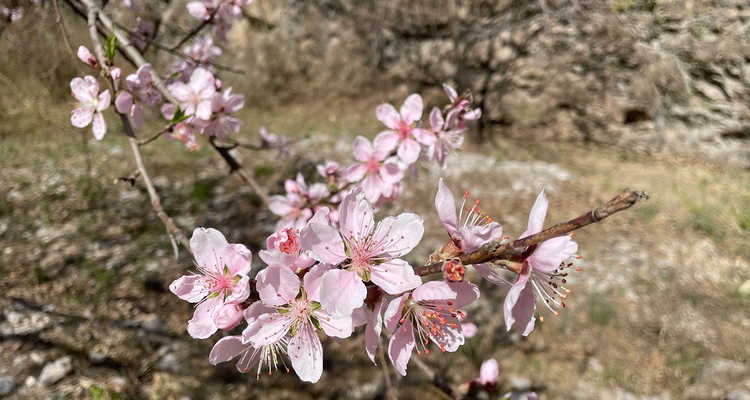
(499, 250)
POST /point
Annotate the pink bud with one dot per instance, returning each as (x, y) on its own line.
(217, 84)
(85, 55)
(115, 72)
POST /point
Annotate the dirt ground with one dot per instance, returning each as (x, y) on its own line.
(657, 312)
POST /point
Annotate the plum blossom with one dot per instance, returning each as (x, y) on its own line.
(222, 279)
(145, 31)
(297, 312)
(365, 251)
(432, 310)
(379, 173)
(541, 274)
(403, 131)
(203, 51)
(140, 90)
(461, 109)
(196, 95)
(90, 105)
(274, 141)
(476, 229)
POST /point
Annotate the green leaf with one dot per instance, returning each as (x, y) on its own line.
(111, 47)
(179, 115)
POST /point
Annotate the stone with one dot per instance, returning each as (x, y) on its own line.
(7, 383)
(54, 371)
(738, 395)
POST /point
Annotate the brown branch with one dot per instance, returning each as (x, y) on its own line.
(498, 250)
(175, 233)
(235, 166)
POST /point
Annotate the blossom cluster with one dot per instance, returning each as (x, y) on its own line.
(324, 277)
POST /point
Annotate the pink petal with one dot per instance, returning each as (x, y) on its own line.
(373, 330)
(354, 173)
(398, 235)
(537, 215)
(388, 115)
(228, 316)
(460, 294)
(338, 327)
(384, 143)
(446, 208)
(99, 126)
(487, 273)
(452, 95)
(341, 292)
(277, 285)
(207, 245)
(83, 90)
(436, 119)
(356, 218)
(362, 149)
(280, 205)
(190, 288)
(324, 243)
(137, 114)
(306, 353)
(312, 280)
(423, 136)
(393, 312)
(400, 347)
(519, 306)
(104, 99)
(412, 109)
(202, 325)
(474, 236)
(409, 151)
(226, 349)
(81, 117)
(488, 372)
(123, 102)
(373, 186)
(394, 276)
(548, 256)
(238, 258)
(203, 111)
(266, 328)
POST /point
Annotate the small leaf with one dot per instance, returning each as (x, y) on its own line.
(179, 116)
(111, 47)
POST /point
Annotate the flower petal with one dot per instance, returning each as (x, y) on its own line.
(341, 292)
(400, 347)
(306, 353)
(207, 245)
(99, 126)
(446, 208)
(537, 215)
(373, 330)
(397, 236)
(388, 115)
(323, 242)
(412, 109)
(519, 306)
(394, 276)
(356, 220)
(548, 256)
(277, 285)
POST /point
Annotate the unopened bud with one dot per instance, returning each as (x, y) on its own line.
(85, 55)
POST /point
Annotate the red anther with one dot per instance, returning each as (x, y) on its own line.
(579, 257)
(450, 303)
(441, 308)
(466, 194)
(401, 321)
(442, 348)
(578, 268)
(562, 304)
(426, 351)
(557, 313)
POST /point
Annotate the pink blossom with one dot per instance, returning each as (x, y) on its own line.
(461, 109)
(274, 141)
(299, 314)
(402, 128)
(90, 105)
(195, 96)
(366, 252)
(295, 207)
(223, 121)
(448, 139)
(202, 51)
(284, 248)
(145, 31)
(542, 272)
(431, 309)
(85, 55)
(186, 132)
(140, 90)
(230, 347)
(475, 230)
(222, 279)
(488, 373)
(379, 173)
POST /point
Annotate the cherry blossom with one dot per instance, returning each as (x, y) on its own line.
(379, 173)
(85, 55)
(140, 90)
(432, 310)
(449, 136)
(284, 248)
(488, 373)
(297, 313)
(365, 251)
(295, 207)
(202, 51)
(90, 105)
(222, 279)
(403, 131)
(223, 121)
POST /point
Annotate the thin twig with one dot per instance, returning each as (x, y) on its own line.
(386, 372)
(235, 166)
(499, 250)
(150, 139)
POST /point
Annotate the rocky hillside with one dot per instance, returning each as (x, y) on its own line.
(658, 76)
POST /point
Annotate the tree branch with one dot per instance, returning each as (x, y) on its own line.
(498, 250)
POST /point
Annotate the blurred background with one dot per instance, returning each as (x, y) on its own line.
(580, 97)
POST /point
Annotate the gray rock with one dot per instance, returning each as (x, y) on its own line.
(738, 395)
(54, 371)
(720, 369)
(7, 383)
